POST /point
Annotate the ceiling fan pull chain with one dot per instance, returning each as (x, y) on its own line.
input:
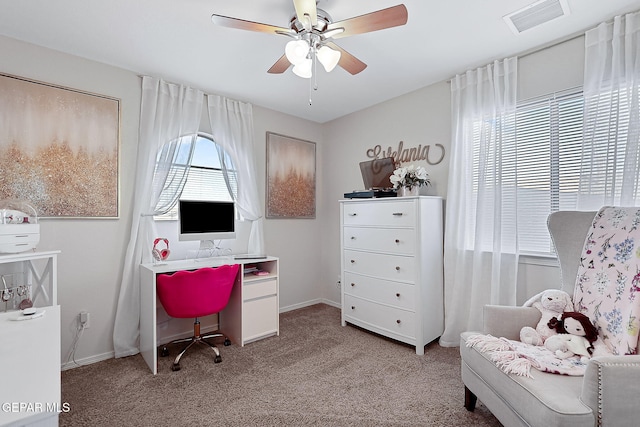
(315, 69)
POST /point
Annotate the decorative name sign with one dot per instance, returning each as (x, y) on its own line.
(404, 155)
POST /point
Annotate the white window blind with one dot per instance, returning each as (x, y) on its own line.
(611, 155)
(205, 179)
(549, 149)
(539, 166)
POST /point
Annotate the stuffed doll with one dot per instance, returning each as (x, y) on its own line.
(575, 336)
(551, 303)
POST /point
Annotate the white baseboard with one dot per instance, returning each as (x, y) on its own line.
(308, 304)
(87, 360)
(110, 355)
(210, 328)
(331, 303)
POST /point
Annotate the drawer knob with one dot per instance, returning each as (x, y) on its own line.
(353, 261)
(397, 268)
(353, 214)
(398, 321)
(397, 240)
(353, 307)
(398, 295)
(353, 284)
(398, 214)
(353, 237)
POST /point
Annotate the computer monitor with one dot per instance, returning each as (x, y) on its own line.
(206, 220)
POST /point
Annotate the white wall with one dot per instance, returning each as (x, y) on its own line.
(294, 241)
(92, 250)
(90, 265)
(418, 118)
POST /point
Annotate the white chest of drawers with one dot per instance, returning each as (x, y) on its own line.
(392, 267)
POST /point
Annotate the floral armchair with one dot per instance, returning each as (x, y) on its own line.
(606, 395)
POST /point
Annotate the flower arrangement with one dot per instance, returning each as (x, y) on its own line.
(409, 177)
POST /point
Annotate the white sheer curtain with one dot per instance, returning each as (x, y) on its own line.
(610, 168)
(480, 247)
(168, 112)
(232, 129)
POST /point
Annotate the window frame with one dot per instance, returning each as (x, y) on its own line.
(172, 214)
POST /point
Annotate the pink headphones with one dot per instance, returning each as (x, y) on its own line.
(160, 254)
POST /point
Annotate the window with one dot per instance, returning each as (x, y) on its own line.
(541, 164)
(612, 132)
(205, 179)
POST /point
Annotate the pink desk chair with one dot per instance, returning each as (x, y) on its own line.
(202, 292)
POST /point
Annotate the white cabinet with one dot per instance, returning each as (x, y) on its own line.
(255, 301)
(392, 267)
(30, 347)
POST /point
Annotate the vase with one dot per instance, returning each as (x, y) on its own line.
(408, 191)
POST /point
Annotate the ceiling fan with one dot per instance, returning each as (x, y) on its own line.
(313, 32)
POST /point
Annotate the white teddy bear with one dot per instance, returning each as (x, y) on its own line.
(551, 303)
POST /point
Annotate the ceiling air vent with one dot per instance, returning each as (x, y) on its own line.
(536, 14)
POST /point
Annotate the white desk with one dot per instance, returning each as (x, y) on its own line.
(251, 314)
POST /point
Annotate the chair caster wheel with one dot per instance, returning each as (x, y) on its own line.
(227, 342)
(217, 359)
(164, 352)
(175, 367)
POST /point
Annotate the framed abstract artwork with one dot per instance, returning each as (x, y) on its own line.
(59, 149)
(291, 177)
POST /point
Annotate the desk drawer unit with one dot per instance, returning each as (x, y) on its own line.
(392, 267)
(257, 289)
(260, 309)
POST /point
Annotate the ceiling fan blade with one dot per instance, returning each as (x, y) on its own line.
(386, 18)
(241, 24)
(306, 7)
(347, 61)
(280, 66)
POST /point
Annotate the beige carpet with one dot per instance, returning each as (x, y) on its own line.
(315, 373)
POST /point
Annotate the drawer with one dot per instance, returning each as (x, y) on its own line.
(389, 319)
(382, 291)
(381, 213)
(256, 289)
(392, 267)
(390, 240)
(259, 318)
(16, 238)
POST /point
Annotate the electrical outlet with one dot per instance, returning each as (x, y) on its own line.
(83, 318)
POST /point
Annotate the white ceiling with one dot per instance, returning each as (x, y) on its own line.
(176, 40)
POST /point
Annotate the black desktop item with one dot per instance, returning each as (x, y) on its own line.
(375, 175)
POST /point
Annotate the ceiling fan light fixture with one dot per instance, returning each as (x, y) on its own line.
(296, 51)
(328, 57)
(303, 69)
